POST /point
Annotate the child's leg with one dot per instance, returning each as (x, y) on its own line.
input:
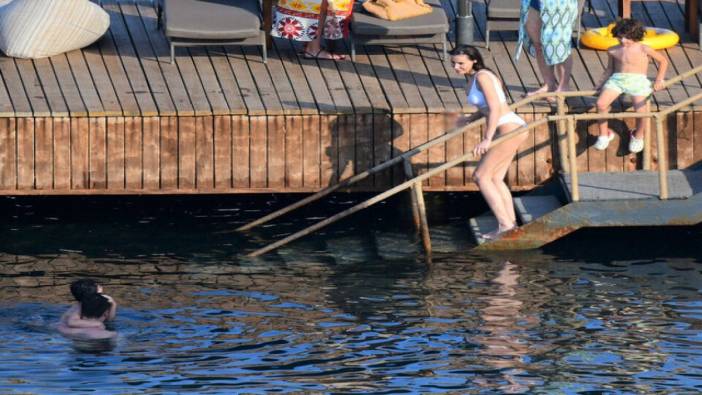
(640, 106)
(603, 103)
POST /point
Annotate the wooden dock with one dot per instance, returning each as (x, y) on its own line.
(117, 118)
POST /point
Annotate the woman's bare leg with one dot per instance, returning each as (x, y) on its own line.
(563, 72)
(533, 28)
(314, 47)
(499, 178)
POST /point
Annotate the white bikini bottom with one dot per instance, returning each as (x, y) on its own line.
(510, 117)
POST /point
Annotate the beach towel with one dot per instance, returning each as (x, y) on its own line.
(299, 19)
(557, 18)
(395, 10)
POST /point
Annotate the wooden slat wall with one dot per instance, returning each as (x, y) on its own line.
(282, 153)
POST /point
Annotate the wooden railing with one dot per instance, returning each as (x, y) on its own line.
(567, 154)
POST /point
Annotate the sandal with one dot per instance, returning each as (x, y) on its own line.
(323, 55)
(603, 141)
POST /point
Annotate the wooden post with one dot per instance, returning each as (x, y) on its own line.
(662, 161)
(561, 135)
(575, 191)
(624, 8)
(647, 139)
(419, 197)
(409, 174)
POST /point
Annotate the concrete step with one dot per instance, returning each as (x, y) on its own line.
(532, 207)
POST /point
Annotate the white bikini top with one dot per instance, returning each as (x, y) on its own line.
(476, 96)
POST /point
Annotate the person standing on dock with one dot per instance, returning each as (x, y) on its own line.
(486, 91)
(545, 29)
(309, 21)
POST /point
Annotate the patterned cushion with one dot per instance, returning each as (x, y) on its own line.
(41, 28)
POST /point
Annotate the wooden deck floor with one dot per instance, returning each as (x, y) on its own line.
(128, 73)
(117, 117)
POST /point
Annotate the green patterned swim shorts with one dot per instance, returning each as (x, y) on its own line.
(629, 84)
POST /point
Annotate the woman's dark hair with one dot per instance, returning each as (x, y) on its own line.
(83, 288)
(94, 306)
(629, 28)
(473, 54)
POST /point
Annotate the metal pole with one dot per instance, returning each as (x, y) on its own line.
(464, 23)
(409, 174)
(574, 188)
(662, 162)
(419, 197)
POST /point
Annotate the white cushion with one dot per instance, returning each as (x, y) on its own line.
(41, 28)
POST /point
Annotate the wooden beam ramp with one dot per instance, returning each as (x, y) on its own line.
(606, 200)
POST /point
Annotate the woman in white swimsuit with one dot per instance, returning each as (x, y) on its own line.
(486, 92)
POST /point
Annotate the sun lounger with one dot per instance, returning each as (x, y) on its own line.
(431, 28)
(188, 23)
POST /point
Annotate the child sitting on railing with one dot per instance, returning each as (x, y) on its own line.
(626, 73)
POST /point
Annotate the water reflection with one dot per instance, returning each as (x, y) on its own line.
(355, 311)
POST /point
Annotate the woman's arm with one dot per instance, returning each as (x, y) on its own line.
(487, 86)
(662, 66)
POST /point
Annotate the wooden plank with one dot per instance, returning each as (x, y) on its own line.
(32, 87)
(297, 79)
(169, 153)
(345, 142)
(133, 153)
(151, 135)
(227, 81)
(118, 76)
(339, 95)
(115, 153)
(697, 138)
(86, 86)
(204, 152)
(597, 161)
(684, 143)
(526, 157)
(455, 147)
(353, 87)
(258, 152)
(276, 152)
(25, 153)
(582, 149)
(186, 152)
(436, 154)
(691, 51)
(130, 61)
(264, 84)
(161, 55)
(98, 153)
(382, 148)
(294, 151)
(422, 78)
(543, 155)
(249, 90)
(50, 86)
(328, 142)
(391, 88)
(279, 80)
(131, 25)
(364, 147)
(223, 152)
(69, 89)
(62, 153)
(401, 130)
(632, 162)
(80, 147)
(15, 89)
(241, 144)
(43, 153)
(404, 77)
(370, 83)
(311, 151)
(209, 80)
(102, 79)
(6, 107)
(8, 157)
(418, 134)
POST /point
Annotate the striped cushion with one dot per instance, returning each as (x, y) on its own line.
(41, 28)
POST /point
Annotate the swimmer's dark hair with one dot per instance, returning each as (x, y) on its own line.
(94, 306)
(83, 288)
(632, 29)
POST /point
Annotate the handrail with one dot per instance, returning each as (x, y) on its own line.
(438, 140)
(390, 192)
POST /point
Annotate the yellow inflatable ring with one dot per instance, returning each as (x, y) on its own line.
(654, 37)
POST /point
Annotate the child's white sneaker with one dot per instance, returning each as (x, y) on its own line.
(635, 145)
(603, 141)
